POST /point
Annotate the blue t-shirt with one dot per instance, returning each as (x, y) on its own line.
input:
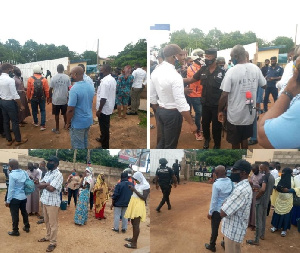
(81, 97)
(283, 132)
(274, 72)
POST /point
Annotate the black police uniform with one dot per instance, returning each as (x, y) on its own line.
(176, 171)
(165, 175)
(211, 94)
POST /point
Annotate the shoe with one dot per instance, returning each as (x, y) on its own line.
(43, 128)
(157, 210)
(54, 130)
(9, 143)
(26, 229)
(199, 136)
(252, 242)
(209, 247)
(21, 142)
(223, 244)
(131, 113)
(283, 234)
(252, 142)
(206, 144)
(169, 207)
(217, 147)
(35, 124)
(273, 229)
(14, 233)
(123, 231)
(115, 230)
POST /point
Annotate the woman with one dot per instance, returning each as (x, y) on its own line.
(124, 84)
(32, 205)
(21, 91)
(100, 196)
(295, 213)
(136, 210)
(81, 213)
(73, 183)
(285, 188)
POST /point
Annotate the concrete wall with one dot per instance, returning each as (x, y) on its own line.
(262, 55)
(6, 154)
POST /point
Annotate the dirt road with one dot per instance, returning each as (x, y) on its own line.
(96, 236)
(124, 133)
(186, 228)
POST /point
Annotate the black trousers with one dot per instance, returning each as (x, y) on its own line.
(169, 123)
(1, 122)
(210, 114)
(178, 177)
(215, 223)
(14, 206)
(10, 113)
(91, 200)
(73, 193)
(104, 122)
(268, 91)
(166, 190)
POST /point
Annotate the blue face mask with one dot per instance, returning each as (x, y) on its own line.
(73, 173)
(234, 61)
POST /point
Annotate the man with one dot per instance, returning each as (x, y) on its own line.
(10, 104)
(211, 76)
(275, 169)
(163, 178)
(120, 201)
(262, 202)
(194, 97)
(42, 170)
(239, 81)
(37, 94)
(230, 64)
(221, 62)
(52, 184)
(106, 96)
(168, 100)
(236, 209)
(222, 188)
(139, 81)
(59, 93)
(274, 75)
(265, 68)
(16, 198)
(176, 169)
(79, 111)
(86, 78)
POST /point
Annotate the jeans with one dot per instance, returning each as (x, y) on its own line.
(79, 137)
(35, 103)
(254, 136)
(10, 113)
(104, 123)
(14, 207)
(73, 193)
(268, 91)
(119, 212)
(196, 103)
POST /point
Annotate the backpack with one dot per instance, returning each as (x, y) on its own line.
(29, 186)
(38, 92)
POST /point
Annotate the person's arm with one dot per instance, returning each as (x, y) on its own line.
(261, 190)
(50, 94)
(102, 103)
(11, 190)
(46, 89)
(188, 81)
(153, 97)
(29, 87)
(156, 182)
(222, 104)
(70, 114)
(213, 202)
(141, 196)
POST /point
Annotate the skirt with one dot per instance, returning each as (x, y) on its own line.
(136, 208)
(281, 221)
(81, 213)
(295, 214)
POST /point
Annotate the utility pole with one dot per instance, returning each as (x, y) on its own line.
(296, 35)
(98, 55)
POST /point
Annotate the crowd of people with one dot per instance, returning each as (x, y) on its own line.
(245, 199)
(128, 198)
(71, 96)
(225, 97)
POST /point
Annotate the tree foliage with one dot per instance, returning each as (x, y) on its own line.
(97, 156)
(282, 40)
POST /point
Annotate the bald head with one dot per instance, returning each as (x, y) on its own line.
(77, 74)
(14, 164)
(220, 171)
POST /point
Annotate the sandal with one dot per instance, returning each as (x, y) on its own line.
(130, 246)
(43, 240)
(273, 229)
(128, 239)
(55, 131)
(283, 233)
(50, 248)
(40, 221)
(252, 242)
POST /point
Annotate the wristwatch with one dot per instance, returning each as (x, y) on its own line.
(288, 94)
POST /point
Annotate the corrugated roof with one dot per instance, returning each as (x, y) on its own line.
(271, 47)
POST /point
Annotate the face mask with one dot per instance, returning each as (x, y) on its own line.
(209, 62)
(234, 61)
(263, 172)
(73, 173)
(267, 64)
(11, 74)
(50, 166)
(177, 63)
(72, 79)
(235, 177)
(256, 173)
(273, 64)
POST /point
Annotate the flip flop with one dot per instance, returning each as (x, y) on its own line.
(55, 131)
(43, 240)
(50, 248)
(128, 239)
(252, 242)
(130, 246)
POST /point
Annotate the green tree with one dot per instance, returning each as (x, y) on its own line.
(91, 56)
(282, 40)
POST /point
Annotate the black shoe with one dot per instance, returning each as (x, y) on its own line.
(26, 229)
(123, 231)
(131, 113)
(209, 247)
(157, 210)
(223, 244)
(115, 230)
(252, 142)
(206, 144)
(169, 207)
(14, 233)
(217, 147)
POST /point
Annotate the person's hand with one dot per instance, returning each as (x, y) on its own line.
(175, 185)
(131, 187)
(221, 117)
(286, 190)
(98, 113)
(209, 216)
(193, 128)
(187, 90)
(67, 126)
(111, 206)
(6, 204)
(157, 187)
(36, 181)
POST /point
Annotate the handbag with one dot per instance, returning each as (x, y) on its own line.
(296, 200)
(29, 186)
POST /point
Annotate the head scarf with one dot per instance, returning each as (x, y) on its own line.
(285, 180)
(143, 184)
(89, 177)
(101, 197)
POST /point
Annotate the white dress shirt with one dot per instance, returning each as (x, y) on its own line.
(167, 89)
(8, 89)
(107, 89)
(140, 77)
(274, 173)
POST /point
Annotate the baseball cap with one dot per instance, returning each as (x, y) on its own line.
(53, 159)
(242, 165)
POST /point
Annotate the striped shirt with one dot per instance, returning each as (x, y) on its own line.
(55, 179)
(237, 208)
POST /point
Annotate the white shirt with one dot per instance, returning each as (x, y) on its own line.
(8, 89)
(140, 77)
(167, 89)
(274, 173)
(107, 89)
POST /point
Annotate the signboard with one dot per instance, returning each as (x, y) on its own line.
(202, 174)
(160, 27)
(138, 158)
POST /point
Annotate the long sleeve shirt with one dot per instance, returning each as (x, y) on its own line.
(17, 180)
(8, 89)
(30, 86)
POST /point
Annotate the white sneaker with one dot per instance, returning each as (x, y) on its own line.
(273, 229)
(43, 128)
(283, 233)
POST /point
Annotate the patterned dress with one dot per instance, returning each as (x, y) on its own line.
(123, 89)
(81, 213)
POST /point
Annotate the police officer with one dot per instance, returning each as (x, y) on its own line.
(163, 178)
(176, 168)
(211, 76)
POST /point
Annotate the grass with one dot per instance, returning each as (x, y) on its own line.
(143, 119)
